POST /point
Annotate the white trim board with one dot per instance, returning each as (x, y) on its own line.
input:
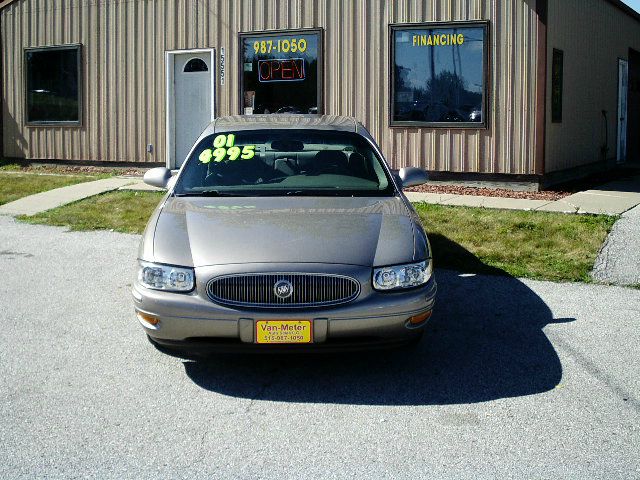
(170, 92)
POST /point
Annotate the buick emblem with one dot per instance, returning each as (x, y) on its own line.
(283, 289)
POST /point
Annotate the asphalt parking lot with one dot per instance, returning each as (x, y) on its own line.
(516, 379)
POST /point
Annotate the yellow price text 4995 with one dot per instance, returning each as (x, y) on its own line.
(224, 145)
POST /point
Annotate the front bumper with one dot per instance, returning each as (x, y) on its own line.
(193, 322)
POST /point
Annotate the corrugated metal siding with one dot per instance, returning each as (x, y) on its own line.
(124, 87)
(593, 35)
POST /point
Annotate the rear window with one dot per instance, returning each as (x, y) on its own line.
(284, 162)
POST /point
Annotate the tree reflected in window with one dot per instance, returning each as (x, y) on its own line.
(439, 75)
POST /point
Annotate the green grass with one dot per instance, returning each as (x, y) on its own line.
(549, 246)
(17, 185)
(536, 245)
(9, 167)
(121, 211)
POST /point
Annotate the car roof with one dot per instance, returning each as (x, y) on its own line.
(284, 121)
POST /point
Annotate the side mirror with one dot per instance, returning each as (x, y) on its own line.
(412, 177)
(158, 177)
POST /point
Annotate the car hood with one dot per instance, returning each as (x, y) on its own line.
(216, 231)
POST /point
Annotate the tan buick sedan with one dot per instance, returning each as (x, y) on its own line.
(284, 233)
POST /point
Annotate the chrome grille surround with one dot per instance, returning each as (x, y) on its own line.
(257, 290)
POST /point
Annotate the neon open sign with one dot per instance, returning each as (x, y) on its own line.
(281, 70)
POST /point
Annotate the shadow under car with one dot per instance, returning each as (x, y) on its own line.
(484, 342)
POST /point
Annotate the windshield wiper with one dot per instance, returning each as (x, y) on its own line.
(321, 192)
(331, 193)
(296, 192)
(208, 193)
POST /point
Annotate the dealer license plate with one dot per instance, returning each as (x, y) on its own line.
(283, 331)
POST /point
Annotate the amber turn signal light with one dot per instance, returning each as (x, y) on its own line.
(418, 319)
(151, 320)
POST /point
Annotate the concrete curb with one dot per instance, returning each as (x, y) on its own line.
(618, 262)
(140, 186)
(477, 201)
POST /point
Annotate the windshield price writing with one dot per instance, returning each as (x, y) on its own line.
(225, 146)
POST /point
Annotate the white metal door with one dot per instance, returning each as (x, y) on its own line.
(623, 100)
(192, 97)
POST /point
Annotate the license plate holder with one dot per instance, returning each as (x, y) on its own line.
(284, 331)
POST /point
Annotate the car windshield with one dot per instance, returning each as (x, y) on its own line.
(284, 162)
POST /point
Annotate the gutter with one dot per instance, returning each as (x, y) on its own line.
(541, 88)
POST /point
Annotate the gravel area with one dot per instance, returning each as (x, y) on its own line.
(557, 193)
(77, 170)
(549, 195)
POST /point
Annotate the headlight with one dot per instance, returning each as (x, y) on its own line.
(402, 276)
(165, 277)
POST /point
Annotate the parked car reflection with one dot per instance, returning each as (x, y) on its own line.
(422, 111)
(475, 116)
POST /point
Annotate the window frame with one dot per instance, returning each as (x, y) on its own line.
(194, 71)
(275, 33)
(484, 124)
(55, 123)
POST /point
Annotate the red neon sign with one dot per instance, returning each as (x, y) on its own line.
(284, 70)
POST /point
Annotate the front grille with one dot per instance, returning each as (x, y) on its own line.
(258, 290)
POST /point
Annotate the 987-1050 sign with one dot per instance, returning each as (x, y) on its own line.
(284, 45)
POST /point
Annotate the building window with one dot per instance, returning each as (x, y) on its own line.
(439, 74)
(281, 72)
(557, 65)
(195, 65)
(54, 86)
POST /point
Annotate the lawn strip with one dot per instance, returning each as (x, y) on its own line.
(120, 211)
(527, 244)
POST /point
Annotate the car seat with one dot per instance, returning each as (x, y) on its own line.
(358, 166)
(332, 162)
